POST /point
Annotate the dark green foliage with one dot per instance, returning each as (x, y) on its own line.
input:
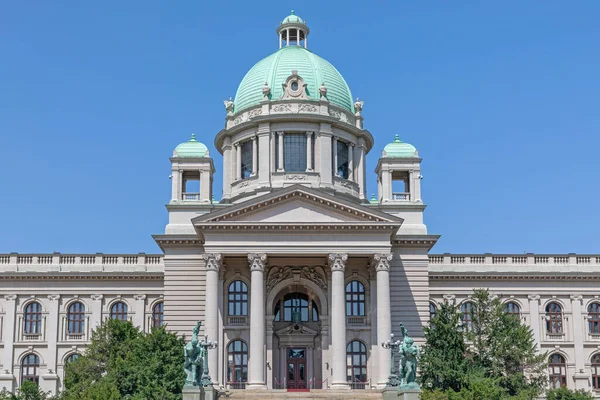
(123, 362)
(566, 394)
(497, 359)
(27, 391)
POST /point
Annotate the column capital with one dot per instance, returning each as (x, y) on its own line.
(449, 297)
(214, 261)
(236, 144)
(53, 297)
(535, 297)
(97, 297)
(309, 133)
(337, 261)
(10, 297)
(381, 261)
(257, 261)
(253, 138)
(576, 297)
(139, 296)
(280, 133)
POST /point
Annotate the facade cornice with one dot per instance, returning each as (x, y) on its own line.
(75, 276)
(418, 241)
(176, 240)
(513, 277)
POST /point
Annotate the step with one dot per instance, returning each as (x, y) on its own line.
(282, 394)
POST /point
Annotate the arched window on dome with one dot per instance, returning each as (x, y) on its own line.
(512, 308)
(294, 152)
(119, 311)
(554, 319)
(76, 318)
(341, 159)
(557, 371)
(30, 369)
(596, 371)
(594, 318)
(33, 319)
(246, 159)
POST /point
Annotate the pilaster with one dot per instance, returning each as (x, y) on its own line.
(96, 310)
(7, 379)
(534, 313)
(581, 375)
(49, 377)
(140, 311)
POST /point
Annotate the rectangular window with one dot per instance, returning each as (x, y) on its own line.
(246, 159)
(342, 160)
(294, 152)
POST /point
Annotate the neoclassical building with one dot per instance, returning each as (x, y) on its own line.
(295, 271)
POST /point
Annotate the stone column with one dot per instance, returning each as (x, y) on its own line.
(7, 379)
(219, 377)
(175, 176)
(256, 359)
(227, 172)
(381, 263)
(140, 311)
(287, 37)
(309, 166)
(238, 162)
(264, 161)
(213, 263)
(534, 315)
(337, 262)
(335, 157)
(254, 156)
(280, 152)
(361, 168)
(351, 161)
(372, 315)
(581, 375)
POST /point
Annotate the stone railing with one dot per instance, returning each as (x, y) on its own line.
(560, 262)
(400, 196)
(99, 262)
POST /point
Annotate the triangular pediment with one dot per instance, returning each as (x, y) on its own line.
(297, 205)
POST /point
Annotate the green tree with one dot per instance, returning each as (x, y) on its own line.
(565, 394)
(123, 362)
(444, 364)
(28, 391)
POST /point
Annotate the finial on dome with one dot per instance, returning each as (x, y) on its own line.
(293, 12)
(397, 138)
(193, 138)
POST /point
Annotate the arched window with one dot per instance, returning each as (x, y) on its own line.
(76, 318)
(557, 371)
(237, 364)
(33, 319)
(432, 311)
(594, 318)
(467, 309)
(72, 357)
(355, 299)
(296, 306)
(238, 298)
(596, 371)
(356, 364)
(554, 323)
(30, 368)
(512, 308)
(119, 311)
(158, 313)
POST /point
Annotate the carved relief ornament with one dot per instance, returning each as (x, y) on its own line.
(337, 261)
(213, 261)
(315, 275)
(381, 261)
(277, 275)
(257, 261)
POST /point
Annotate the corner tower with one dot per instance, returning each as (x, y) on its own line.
(293, 121)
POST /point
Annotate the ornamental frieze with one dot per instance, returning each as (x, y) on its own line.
(315, 275)
(277, 275)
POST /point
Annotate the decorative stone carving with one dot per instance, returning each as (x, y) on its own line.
(97, 297)
(228, 106)
(10, 297)
(239, 119)
(213, 261)
(139, 297)
(53, 297)
(257, 261)
(381, 261)
(534, 297)
(323, 91)
(277, 275)
(281, 108)
(295, 177)
(294, 87)
(449, 297)
(358, 106)
(309, 108)
(316, 275)
(337, 261)
(266, 90)
(254, 113)
(335, 113)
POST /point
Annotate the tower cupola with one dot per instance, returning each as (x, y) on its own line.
(293, 31)
(191, 172)
(399, 173)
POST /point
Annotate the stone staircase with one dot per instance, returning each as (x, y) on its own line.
(282, 394)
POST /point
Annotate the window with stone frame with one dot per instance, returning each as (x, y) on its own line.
(237, 299)
(119, 311)
(596, 371)
(594, 318)
(554, 319)
(432, 311)
(557, 371)
(30, 369)
(512, 308)
(296, 305)
(356, 364)
(355, 299)
(76, 318)
(467, 309)
(294, 152)
(72, 357)
(246, 167)
(237, 364)
(32, 319)
(158, 314)
(342, 160)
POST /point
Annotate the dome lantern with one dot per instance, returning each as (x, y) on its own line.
(293, 30)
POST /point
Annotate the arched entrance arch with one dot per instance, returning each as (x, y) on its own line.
(296, 346)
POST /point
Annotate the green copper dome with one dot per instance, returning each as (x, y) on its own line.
(292, 18)
(191, 148)
(277, 67)
(400, 149)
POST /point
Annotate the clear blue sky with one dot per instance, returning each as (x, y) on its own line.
(500, 98)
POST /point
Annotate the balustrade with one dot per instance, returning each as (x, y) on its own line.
(400, 196)
(70, 262)
(509, 260)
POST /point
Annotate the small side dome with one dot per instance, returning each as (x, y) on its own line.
(399, 149)
(292, 19)
(191, 148)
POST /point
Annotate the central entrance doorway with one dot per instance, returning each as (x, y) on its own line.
(296, 367)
